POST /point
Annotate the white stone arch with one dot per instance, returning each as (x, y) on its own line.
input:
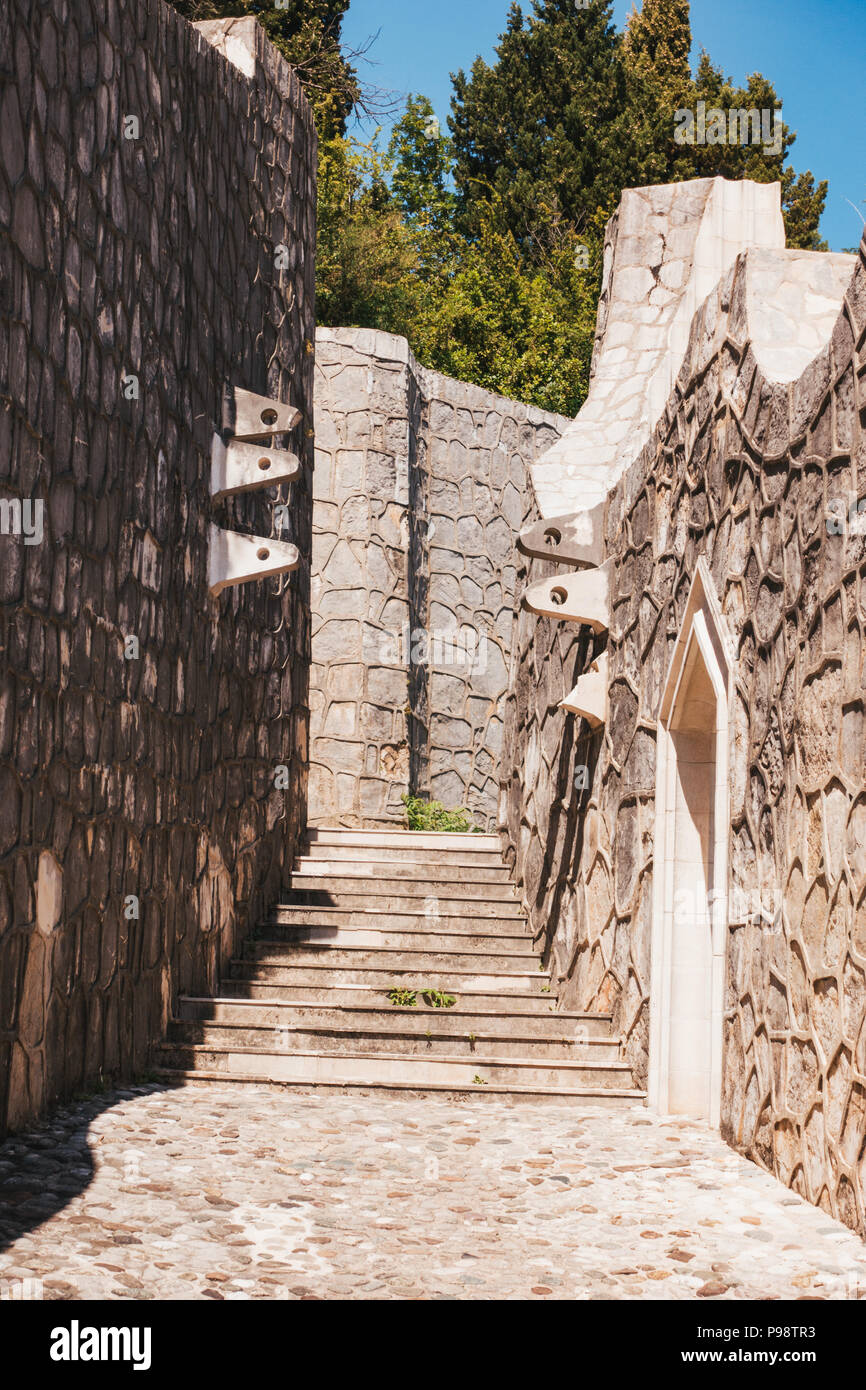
(690, 876)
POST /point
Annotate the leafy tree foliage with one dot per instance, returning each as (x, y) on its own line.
(483, 246)
(572, 112)
(542, 132)
(366, 257)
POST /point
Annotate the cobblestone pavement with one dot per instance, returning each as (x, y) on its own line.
(241, 1193)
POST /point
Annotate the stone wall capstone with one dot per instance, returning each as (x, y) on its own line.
(419, 492)
(145, 182)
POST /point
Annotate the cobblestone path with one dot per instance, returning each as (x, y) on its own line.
(242, 1193)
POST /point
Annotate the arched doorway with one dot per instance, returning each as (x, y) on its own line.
(691, 867)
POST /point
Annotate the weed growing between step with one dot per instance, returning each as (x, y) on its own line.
(403, 998)
(438, 999)
(434, 998)
(432, 815)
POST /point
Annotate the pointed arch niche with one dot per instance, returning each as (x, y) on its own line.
(690, 881)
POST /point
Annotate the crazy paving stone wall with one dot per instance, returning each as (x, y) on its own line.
(148, 779)
(745, 472)
(419, 494)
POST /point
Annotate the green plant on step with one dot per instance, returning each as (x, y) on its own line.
(432, 815)
(438, 999)
(545, 989)
(403, 998)
(478, 1080)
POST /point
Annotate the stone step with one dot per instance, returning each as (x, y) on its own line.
(416, 964)
(450, 980)
(389, 1037)
(384, 939)
(399, 920)
(517, 1002)
(593, 1097)
(400, 840)
(428, 859)
(399, 870)
(313, 1065)
(499, 1016)
(370, 890)
(306, 1005)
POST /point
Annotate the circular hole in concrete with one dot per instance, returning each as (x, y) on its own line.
(264, 464)
(269, 417)
(263, 553)
(552, 536)
(558, 596)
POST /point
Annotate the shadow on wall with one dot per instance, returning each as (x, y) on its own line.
(575, 772)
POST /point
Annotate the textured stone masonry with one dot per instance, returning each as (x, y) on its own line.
(419, 492)
(151, 777)
(742, 470)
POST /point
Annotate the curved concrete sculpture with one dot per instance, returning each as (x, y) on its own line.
(574, 539)
(577, 598)
(589, 696)
(666, 249)
(236, 467)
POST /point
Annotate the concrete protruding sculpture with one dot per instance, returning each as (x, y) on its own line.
(576, 538)
(239, 467)
(259, 417)
(236, 559)
(589, 696)
(578, 598)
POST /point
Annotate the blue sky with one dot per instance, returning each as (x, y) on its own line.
(814, 51)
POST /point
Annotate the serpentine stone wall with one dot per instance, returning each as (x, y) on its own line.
(744, 470)
(141, 830)
(420, 486)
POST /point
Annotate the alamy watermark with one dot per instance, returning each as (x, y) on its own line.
(25, 518)
(759, 906)
(738, 126)
(850, 520)
(29, 1290)
(464, 648)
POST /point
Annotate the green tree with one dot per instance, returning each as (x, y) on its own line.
(802, 199)
(422, 157)
(366, 257)
(655, 47)
(571, 112)
(657, 44)
(541, 134)
(519, 326)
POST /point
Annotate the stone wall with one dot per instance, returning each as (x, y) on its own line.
(743, 470)
(419, 493)
(140, 783)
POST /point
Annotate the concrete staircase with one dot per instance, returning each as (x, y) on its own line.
(308, 1001)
